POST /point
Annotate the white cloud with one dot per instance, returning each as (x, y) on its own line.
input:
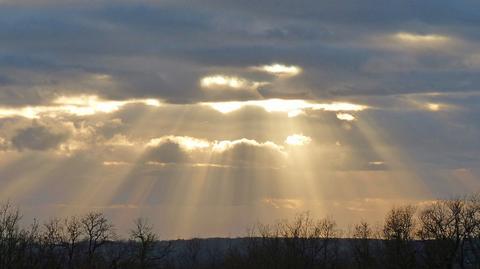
(278, 69)
(82, 105)
(218, 153)
(433, 106)
(293, 107)
(420, 39)
(298, 140)
(224, 145)
(376, 163)
(91, 104)
(232, 82)
(225, 107)
(192, 143)
(186, 142)
(345, 116)
(115, 163)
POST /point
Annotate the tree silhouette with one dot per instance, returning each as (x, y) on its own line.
(398, 231)
(71, 236)
(145, 240)
(98, 231)
(362, 249)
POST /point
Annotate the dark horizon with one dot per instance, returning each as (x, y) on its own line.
(208, 116)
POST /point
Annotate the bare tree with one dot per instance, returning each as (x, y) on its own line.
(471, 226)
(265, 246)
(51, 240)
(98, 231)
(361, 245)
(441, 229)
(300, 238)
(10, 235)
(328, 234)
(301, 243)
(449, 233)
(145, 240)
(308, 242)
(71, 235)
(52, 235)
(31, 254)
(398, 231)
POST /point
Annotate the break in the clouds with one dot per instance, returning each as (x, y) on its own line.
(291, 107)
(253, 110)
(221, 81)
(280, 70)
(298, 140)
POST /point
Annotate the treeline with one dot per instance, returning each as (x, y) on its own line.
(441, 234)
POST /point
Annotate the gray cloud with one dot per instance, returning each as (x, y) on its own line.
(169, 152)
(247, 152)
(37, 138)
(161, 50)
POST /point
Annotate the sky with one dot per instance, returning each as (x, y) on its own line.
(209, 116)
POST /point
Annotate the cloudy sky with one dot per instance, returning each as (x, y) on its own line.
(207, 116)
